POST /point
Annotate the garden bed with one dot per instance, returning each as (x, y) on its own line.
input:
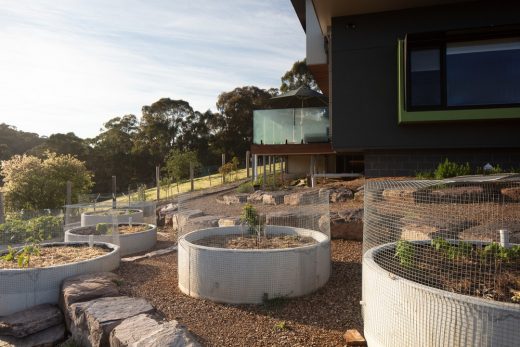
(454, 268)
(252, 275)
(21, 288)
(52, 256)
(135, 238)
(452, 303)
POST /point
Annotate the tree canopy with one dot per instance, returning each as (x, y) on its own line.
(299, 75)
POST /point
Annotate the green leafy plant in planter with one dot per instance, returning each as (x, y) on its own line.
(253, 220)
(452, 251)
(448, 169)
(23, 256)
(103, 228)
(405, 252)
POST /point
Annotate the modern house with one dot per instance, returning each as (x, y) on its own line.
(411, 83)
(295, 127)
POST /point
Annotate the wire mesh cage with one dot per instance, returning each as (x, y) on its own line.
(34, 259)
(129, 225)
(248, 248)
(441, 262)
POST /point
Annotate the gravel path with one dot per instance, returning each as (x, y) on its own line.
(319, 319)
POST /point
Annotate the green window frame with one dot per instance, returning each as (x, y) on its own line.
(405, 116)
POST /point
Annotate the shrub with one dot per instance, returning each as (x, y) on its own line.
(448, 169)
(18, 230)
(245, 188)
(34, 184)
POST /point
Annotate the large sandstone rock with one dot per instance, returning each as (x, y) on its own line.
(274, 198)
(202, 222)
(46, 338)
(511, 194)
(87, 287)
(340, 195)
(490, 231)
(418, 232)
(180, 219)
(234, 199)
(145, 331)
(229, 221)
(93, 321)
(256, 197)
(347, 224)
(301, 198)
(399, 195)
(457, 194)
(306, 220)
(31, 320)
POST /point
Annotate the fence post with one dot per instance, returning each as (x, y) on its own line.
(265, 173)
(274, 171)
(248, 156)
(158, 181)
(223, 163)
(209, 174)
(191, 176)
(270, 164)
(114, 192)
(69, 192)
(2, 209)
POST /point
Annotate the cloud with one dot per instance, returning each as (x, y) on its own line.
(72, 65)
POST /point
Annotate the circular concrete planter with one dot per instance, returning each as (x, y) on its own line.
(400, 312)
(23, 288)
(128, 243)
(95, 217)
(249, 276)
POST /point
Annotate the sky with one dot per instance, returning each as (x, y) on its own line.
(71, 65)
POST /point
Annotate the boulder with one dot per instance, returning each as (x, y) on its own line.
(31, 320)
(341, 195)
(46, 338)
(347, 224)
(180, 219)
(87, 287)
(233, 199)
(457, 194)
(274, 198)
(359, 196)
(418, 232)
(256, 197)
(306, 220)
(144, 330)
(229, 221)
(511, 194)
(93, 321)
(399, 195)
(301, 198)
(490, 231)
(202, 222)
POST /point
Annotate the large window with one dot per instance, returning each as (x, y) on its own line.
(462, 71)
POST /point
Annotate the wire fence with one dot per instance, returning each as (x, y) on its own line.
(441, 262)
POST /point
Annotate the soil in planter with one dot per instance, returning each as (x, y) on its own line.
(473, 275)
(247, 241)
(58, 255)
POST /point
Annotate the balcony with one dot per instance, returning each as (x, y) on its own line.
(291, 126)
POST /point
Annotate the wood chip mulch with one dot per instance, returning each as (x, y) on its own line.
(318, 319)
